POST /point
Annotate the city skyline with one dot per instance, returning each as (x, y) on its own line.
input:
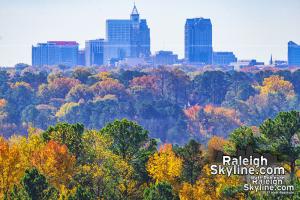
(228, 34)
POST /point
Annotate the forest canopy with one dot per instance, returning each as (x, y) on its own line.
(173, 104)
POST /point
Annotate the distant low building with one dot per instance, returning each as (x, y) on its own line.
(164, 58)
(240, 64)
(293, 54)
(133, 62)
(281, 63)
(223, 58)
(55, 53)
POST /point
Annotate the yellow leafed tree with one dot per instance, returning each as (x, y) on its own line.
(276, 84)
(28, 145)
(109, 171)
(165, 165)
(12, 167)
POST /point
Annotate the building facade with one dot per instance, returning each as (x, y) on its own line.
(293, 54)
(81, 57)
(164, 58)
(198, 41)
(94, 52)
(55, 53)
(223, 58)
(127, 38)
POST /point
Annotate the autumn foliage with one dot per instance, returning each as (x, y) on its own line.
(145, 82)
(55, 161)
(209, 119)
(215, 147)
(210, 187)
(105, 158)
(12, 166)
(107, 86)
(192, 112)
(277, 84)
(164, 165)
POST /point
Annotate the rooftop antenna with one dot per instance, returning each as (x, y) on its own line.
(134, 10)
(271, 60)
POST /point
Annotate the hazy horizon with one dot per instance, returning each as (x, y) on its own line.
(251, 29)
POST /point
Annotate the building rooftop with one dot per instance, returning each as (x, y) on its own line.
(134, 10)
(63, 42)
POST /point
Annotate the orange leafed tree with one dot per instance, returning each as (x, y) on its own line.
(188, 192)
(165, 165)
(211, 120)
(210, 187)
(192, 112)
(145, 82)
(214, 146)
(221, 111)
(108, 86)
(3, 103)
(61, 83)
(56, 163)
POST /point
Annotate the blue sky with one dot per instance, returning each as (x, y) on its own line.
(251, 29)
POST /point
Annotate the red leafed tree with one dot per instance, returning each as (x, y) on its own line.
(108, 86)
(59, 87)
(192, 112)
(145, 82)
(211, 120)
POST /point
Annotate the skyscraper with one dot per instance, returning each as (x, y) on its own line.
(127, 38)
(55, 53)
(94, 50)
(293, 54)
(198, 41)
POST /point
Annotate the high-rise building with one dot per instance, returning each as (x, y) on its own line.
(198, 41)
(94, 50)
(127, 38)
(223, 58)
(55, 53)
(81, 57)
(293, 54)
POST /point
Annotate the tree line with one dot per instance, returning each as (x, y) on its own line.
(174, 104)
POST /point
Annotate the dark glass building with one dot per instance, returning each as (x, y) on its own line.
(127, 38)
(293, 54)
(198, 41)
